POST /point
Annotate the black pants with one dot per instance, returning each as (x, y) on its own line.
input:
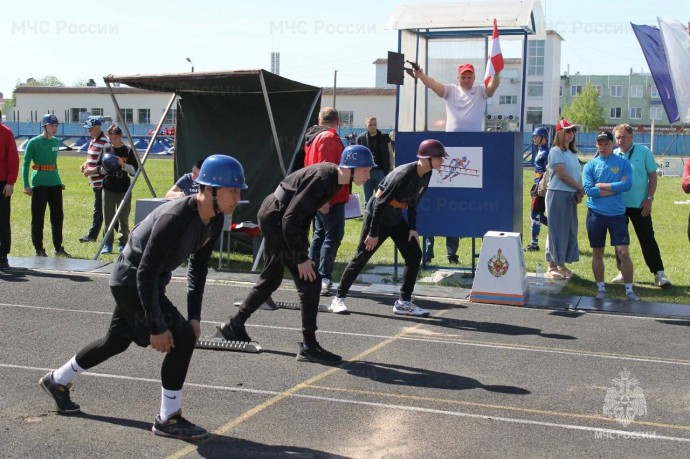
(41, 197)
(5, 228)
(409, 250)
(644, 230)
(129, 325)
(97, 220)
(276, 258)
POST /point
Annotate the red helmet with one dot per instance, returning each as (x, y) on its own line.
(431, 148)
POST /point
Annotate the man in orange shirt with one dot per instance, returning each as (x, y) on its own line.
(323, 145)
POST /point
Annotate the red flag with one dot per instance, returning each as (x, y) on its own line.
(494, 63)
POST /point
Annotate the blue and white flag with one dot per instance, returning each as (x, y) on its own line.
(676, 41)
(653, 50)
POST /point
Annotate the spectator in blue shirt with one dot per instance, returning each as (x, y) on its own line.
(605, 179)
(186, 185)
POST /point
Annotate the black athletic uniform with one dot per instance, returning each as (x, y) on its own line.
(400, 190)
(168, 236)
(285, 219)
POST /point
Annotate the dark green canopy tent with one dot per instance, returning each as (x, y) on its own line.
(253, 115)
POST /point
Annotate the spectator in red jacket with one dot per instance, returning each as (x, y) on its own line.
(9, 167)
(323, 145)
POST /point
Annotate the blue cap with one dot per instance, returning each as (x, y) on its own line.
(92, 121)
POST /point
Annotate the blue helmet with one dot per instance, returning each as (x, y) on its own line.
(110, 162)
(49, 119)
(356, 156)
(222, 171)
(542, 132)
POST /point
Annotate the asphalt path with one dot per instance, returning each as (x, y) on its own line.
(472, 380)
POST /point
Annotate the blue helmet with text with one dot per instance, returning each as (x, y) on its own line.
(356, 156)
(222, 171)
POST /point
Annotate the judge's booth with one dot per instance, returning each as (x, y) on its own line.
(479, 187)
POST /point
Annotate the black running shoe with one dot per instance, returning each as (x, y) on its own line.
(178, 427)
(453, 259)
(62, 253)
(232, 332)
(4, 264)
(60, 394)
(315, 353)
(532, 247)
(41, 253)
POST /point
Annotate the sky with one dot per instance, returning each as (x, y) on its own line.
(75, 41)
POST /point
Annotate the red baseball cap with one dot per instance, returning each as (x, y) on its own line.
(565, 124)
(466, 68)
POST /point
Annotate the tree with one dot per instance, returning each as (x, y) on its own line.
(48, 80)
(585, 109)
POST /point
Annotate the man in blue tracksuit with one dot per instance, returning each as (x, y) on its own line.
(540, 138)
(605, 179)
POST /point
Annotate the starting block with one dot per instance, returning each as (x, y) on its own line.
(271, 305)
(217, 342)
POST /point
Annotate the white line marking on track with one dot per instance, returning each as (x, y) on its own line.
(621, 433)
(513, 347)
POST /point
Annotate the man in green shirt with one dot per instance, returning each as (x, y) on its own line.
(45, 187)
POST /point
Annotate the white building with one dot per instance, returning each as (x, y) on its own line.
(75, 104)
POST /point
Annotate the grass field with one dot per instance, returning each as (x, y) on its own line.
(670, 223)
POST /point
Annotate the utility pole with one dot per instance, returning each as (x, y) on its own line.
(335, 85)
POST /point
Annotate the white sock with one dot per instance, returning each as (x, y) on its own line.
(170, 403)
(628, 288)
(66, 373)
(601, 286)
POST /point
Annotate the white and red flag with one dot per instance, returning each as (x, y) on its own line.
(494, 63)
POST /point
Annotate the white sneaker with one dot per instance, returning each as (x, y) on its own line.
(632, 297)
(618, 279)
(338, 306)
(601, 294)
(408, 308)
(660, 280)
(326, 284)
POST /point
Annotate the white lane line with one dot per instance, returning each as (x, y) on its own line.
(613, 432)
(513, 347)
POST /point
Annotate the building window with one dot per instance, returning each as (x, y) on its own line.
(507, 100)
(75, 115)
(534, 115)
(96, 112)
(599, 88)
(346, 118)
(656, 113)
(636, 91)
(144, 116)
(653, 92)
(535, 89)
(575, 90)
(171, 117)
(616, 90)
(128, 114)
(615, 112)
(535, 58)
(635, 113)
